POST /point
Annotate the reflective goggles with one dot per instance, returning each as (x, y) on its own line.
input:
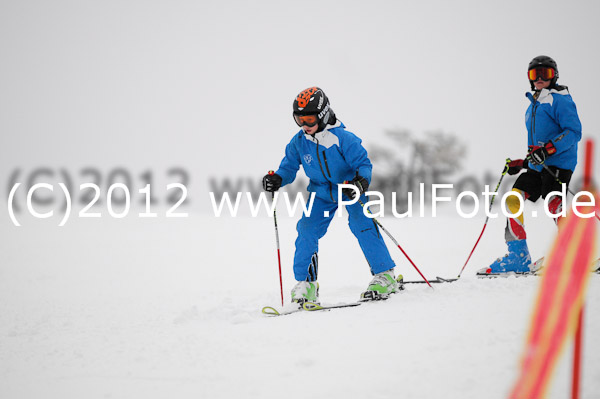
(308, 120)
(544, 73)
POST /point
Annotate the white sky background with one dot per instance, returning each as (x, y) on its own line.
(209, 85)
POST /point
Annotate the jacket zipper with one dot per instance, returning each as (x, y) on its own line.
(533, 110)
(322, 171)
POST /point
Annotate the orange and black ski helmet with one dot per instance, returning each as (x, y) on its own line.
(313, 101)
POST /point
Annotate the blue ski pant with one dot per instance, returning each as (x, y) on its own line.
(311, 228)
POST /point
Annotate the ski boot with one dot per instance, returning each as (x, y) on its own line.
(517, 260)
(305, 291)
(382, 286)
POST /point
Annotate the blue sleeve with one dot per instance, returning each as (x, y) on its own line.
(566, 116)
(356, 156)
(290, 164)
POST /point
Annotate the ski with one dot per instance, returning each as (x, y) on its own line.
(288, 309)
(306, 306)
(437, 280)
(536, 270)
(446, 280)
(507, 274)
(312, 307)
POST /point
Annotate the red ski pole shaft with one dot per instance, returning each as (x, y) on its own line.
(395, 242)
(277, 241)
(487, 217)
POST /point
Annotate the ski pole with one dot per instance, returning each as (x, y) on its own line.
(394, 240)
(560, 182)
(556, 177)
(277, 240)
(488, 215)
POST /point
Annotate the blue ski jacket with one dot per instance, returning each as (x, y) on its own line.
(328, 158)
(553, 117)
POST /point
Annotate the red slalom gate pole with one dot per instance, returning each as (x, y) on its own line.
(587, 171)
(576, 383)
(277, 241)
(578, 346)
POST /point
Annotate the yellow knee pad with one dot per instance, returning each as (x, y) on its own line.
(513, 203)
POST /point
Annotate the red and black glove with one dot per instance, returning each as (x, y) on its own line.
(272, 181)
(515, 166)
(360, 182)
(538, 155)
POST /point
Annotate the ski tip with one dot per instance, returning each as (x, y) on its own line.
(271, 311)
(596, 266)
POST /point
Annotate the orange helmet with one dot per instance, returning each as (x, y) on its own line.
(313, 101)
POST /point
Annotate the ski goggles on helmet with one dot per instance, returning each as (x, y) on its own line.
(308, 120)
(543, 73)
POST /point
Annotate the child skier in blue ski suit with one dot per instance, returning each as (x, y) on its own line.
(330, 155)
(553, 131)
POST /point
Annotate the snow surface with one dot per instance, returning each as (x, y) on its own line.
(158, 308)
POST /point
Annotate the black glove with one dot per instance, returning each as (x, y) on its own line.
(513, 167)
(360, 182)
(538, 155)
(272, 182)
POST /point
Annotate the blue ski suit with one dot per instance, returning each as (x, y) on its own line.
(553, 117)
(329, 158)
